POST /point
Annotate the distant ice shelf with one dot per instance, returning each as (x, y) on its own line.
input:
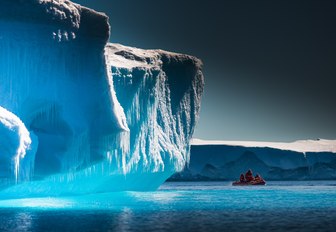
(88, 116)
(317, 145)
(226, 160)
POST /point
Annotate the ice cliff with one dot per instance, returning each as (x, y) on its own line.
(79, 115)
(225, 160)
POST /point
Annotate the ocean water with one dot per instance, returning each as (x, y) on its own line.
(182, 206)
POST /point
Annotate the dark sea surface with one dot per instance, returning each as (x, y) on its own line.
(182, 206)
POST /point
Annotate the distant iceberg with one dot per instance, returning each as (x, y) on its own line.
(88, 116)
(226, 160)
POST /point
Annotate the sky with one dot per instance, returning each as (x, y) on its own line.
(269, 66)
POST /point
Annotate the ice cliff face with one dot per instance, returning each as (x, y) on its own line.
(89, 114)
(160, 94)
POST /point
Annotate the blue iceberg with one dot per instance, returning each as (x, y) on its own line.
(79, 115)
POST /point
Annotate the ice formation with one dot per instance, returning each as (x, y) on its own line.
(299, 160)
(15, 147)
(160, 94)
(87, 116)
(318, 145)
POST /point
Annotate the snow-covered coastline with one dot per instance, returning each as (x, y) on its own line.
(225, 160)
(318, 145)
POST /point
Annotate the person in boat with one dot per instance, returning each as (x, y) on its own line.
(249, 176)
(258, 178)
(242, 178)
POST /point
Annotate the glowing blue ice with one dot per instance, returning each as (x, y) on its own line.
(98, 118)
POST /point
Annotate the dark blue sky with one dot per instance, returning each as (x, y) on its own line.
(270, 66)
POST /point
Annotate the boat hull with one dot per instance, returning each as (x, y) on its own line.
(238, 183)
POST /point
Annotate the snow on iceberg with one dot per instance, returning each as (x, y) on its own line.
(100, 117)
(15, 148)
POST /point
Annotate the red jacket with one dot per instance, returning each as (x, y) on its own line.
(249, 176)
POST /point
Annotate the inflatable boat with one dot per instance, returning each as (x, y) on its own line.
(253, 182)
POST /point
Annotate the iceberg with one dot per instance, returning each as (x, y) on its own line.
(80, 115)
(225, 160)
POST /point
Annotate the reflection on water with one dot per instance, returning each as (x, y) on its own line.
(21, 221)
(47, 203)
(181, 207)
(194, 220)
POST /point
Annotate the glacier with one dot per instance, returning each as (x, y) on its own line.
(80, 115)
(225, 160)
